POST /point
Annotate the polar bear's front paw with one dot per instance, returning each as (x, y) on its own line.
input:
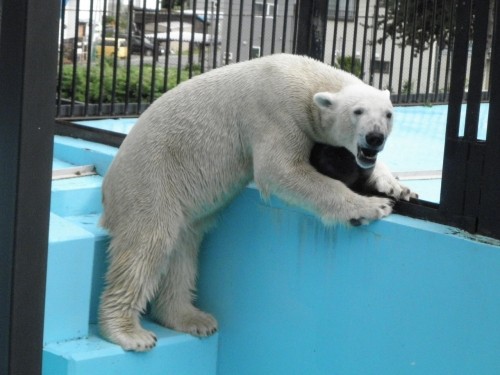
(391, 187)
(373, 208)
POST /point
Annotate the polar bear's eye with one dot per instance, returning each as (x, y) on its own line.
(388, 115)
(358, 112)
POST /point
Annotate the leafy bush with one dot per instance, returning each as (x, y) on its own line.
(350, 64)
(100, 82)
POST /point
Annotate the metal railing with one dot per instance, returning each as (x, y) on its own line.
(116, 57)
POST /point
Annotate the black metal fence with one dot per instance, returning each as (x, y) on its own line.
(117, 56)
(424, 51)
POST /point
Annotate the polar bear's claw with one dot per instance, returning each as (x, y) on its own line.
(355, 222)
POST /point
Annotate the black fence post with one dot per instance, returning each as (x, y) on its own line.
(456, 149)
(489, 215)
(311, 28)
(28, 58)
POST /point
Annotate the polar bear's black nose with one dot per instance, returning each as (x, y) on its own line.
(375, 139)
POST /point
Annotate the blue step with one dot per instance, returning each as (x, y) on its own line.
(175, 353)
(69, 276)
(76, 196)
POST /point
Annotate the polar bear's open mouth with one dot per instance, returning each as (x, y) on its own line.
(366, 157)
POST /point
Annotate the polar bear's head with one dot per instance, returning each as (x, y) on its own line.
(359, 118)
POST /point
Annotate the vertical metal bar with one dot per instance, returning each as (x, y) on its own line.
(382, 55)
(252, 26)
(141, 58)
(355, 36)
(449, 54)
(129, 55)
(74, 56)
(61, 57)
(403, 46)
(335, 33)
(431, 53)
(228, 33)
(191, 43)
(365, 40)
(90, 46)
(285, 23)
(204, 39)
(374, 41)
(263, 27)
(489, 217)
(273, 32)
(344, 36)
(101, 63)
(311, 28)
(115, 57)
(459, 68)
(480, 26)
(156, 51)
(28, 46)
(181, 38)
(456, 151)
(421, 52)
(216, 34)
(240, 28)
(167, 45)
(412, 53)
(439, 54)
(296, 20)
(393, 44)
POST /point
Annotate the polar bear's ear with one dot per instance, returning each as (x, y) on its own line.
(325, 100)
(387, 92)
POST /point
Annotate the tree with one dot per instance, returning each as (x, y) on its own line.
(418, 23)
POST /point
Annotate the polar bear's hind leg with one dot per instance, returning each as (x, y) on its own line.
(173, 305)
(136, 265)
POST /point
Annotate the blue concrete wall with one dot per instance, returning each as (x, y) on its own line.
(400, 296)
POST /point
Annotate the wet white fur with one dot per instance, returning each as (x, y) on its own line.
(194, 149)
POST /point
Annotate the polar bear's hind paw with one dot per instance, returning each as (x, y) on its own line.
(197, 323)
(140, 340)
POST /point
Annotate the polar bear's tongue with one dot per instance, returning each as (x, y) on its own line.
(366, 157)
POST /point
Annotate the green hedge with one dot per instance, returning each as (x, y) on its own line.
(103, 92)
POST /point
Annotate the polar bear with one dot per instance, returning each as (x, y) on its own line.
(197, 146)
